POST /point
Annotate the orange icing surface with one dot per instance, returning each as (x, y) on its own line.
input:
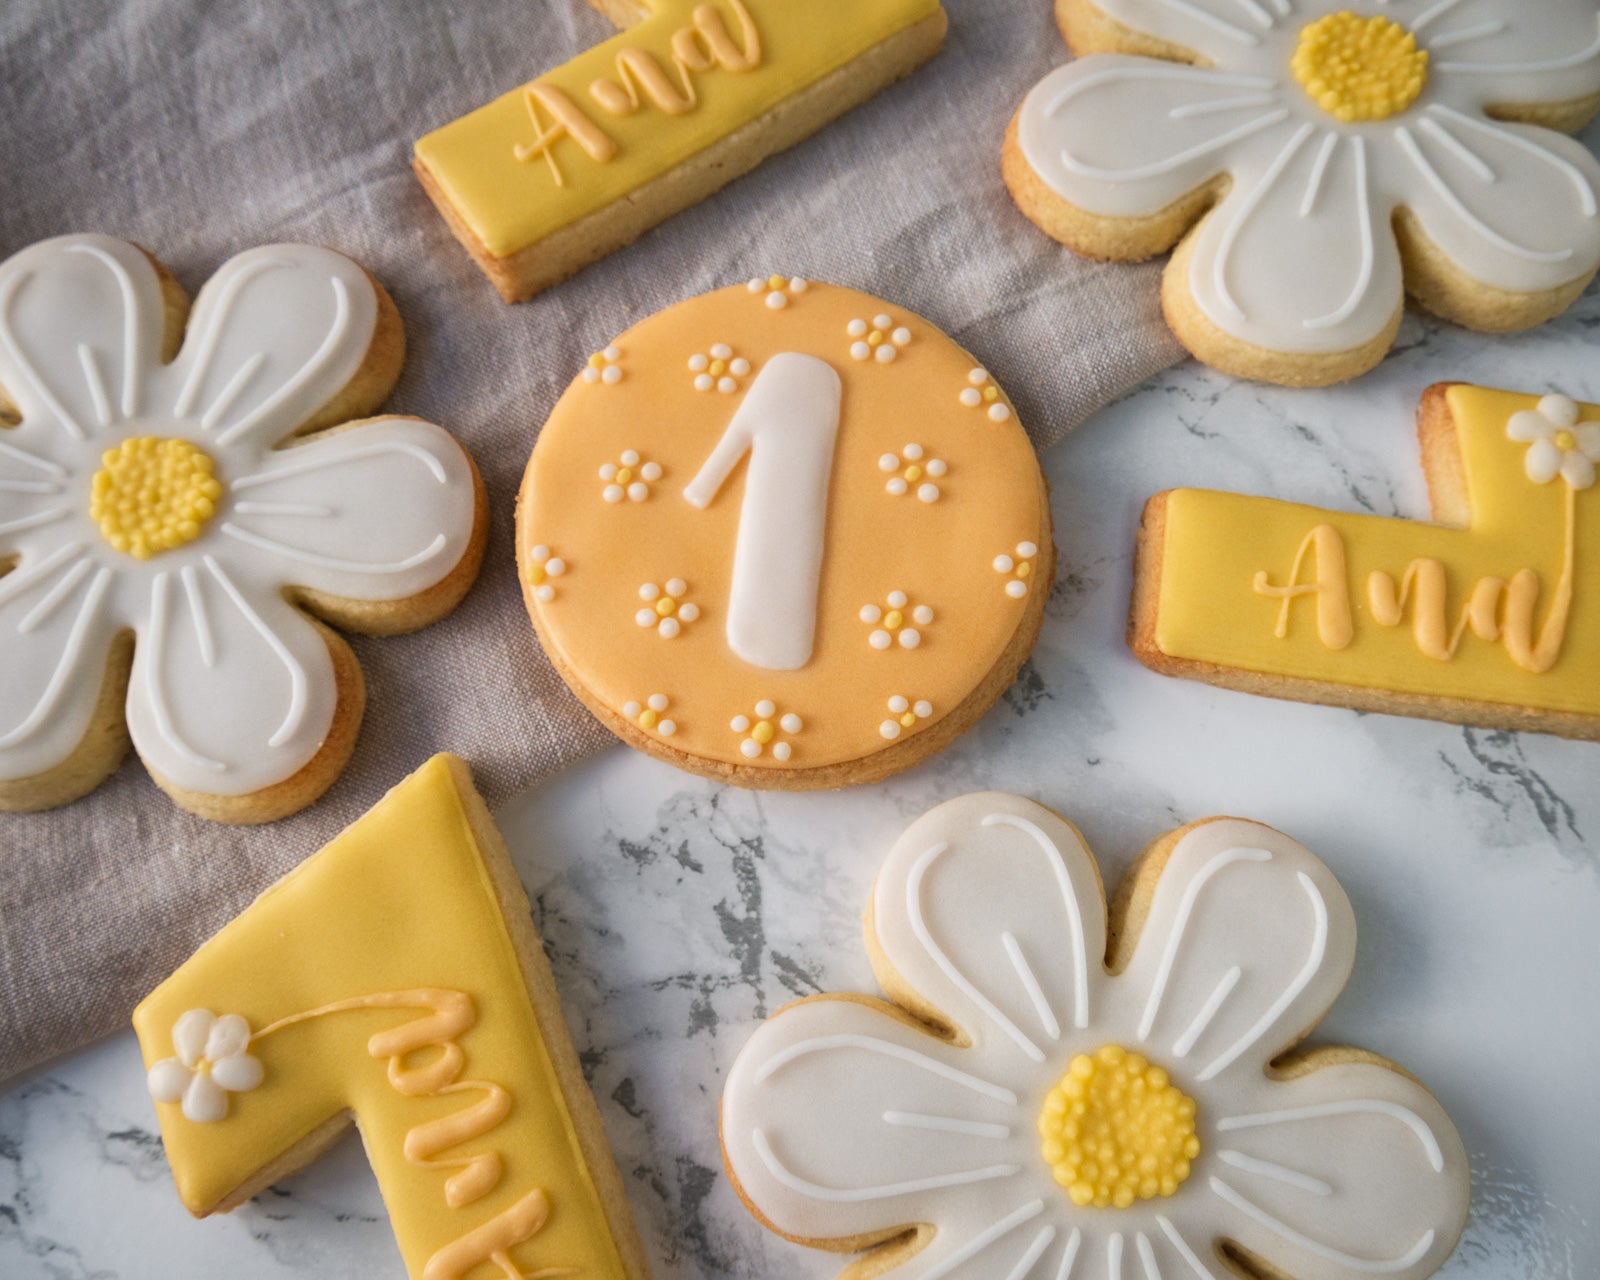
(940, 553)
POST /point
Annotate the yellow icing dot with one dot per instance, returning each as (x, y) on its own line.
(648, 718)
(991, 392)
(1565, 441)
(776, 282)
(624, 475)
(1358, 68)
(875, 338)
(893, 619)
(909, 719)
(1024, 569)
(717, 368)
(537, 575)
(1116, 1129)
(153, 494)
(763, 732)
(666, 606)
(596, 360)
(913, 473)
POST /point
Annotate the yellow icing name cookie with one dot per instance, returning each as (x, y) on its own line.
(394, 979)
(786, 534)
(1489, 617)
(580, 160)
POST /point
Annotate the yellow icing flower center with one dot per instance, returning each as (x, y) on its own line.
(153, 494)
(1360, 69)
(1117, 1129)
(1565, 441)
(763, 732)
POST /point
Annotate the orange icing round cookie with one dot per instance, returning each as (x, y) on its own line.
(787, 534)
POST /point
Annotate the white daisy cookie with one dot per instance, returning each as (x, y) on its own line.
(184, 505)
(816, 536)
(1061, 1091)
(1321, 160)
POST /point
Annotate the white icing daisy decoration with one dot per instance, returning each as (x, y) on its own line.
(211, 1063)
(1032, 1107)
(1558, 444)
(1357, 152)
(666, 608)
(897, 621)
(629, 477)
(903, 715)
(982, 393)
(180, 499)
(604, 366)
(651, 716)
(766, 731)
(1017, 569)
(881, 339)
(778, 291)
(911, 469)
(720, 369)
(544, 566)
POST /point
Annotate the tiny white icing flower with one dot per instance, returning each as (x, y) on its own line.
(1558, 444)
(911, 467)
(652, 717)
(904, 714)
(604, 366)
(981, 391)
(211, 1063)
(880, 339)
(544, 566)
(1025, 1111)
(629, 477)
(1018, 569)
(898, 621)
(720, 369)
(766, 731)
(1313, 124)
(777, 291)
(665, 608)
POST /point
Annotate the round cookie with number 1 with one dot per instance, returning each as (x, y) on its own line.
(785, 534)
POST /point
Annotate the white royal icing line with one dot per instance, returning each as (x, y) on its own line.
(1276, 1172)
(824, 1044)
(130, 322)
(886, 1191)
(1004, 1227)
(1386, 1266)
(1352, 1106)
(946, 1124)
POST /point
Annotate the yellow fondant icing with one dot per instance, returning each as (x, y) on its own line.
(1505, 610)
(631, 109)
(380, 978)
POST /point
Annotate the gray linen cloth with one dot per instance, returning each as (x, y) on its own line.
(199, 128)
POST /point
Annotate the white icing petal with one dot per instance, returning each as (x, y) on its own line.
(275, 334)
(204, 1101)
(1161, 130)
(80, 331)
(1313, 202)
(190, 1033)
(1534, 225)
(230, 1035)
(232, 688)
(990, 908)
(238, 1073)
(1588, 435)
(1577, 470)
(1543, 51)
(168, 1079)
(1352, 1170)
(830, 1123)
(1543, 461)
(1248, 940)
(1220, 30)
(379, 511)
(1529, 424)
(57, 624)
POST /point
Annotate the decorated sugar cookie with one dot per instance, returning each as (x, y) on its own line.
(1053, 1093)
(185, 502)
(785, 534)
(394, 980)
(1489, 616)
(1317, 161)
(693, 93)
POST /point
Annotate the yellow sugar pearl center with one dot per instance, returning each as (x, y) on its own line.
(776, 282)
(913, 473)
(1565, 441)
(717, 368)
(763, 732)
(1359, 69)
(893, 619)
(1116, 1130)
(666, 606)
(648, 718)
(153, 494)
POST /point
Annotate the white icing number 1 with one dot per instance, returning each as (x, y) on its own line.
(787, 424)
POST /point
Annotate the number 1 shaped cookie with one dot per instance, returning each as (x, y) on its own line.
(1491, 616)
(394, 980)
(583, 159)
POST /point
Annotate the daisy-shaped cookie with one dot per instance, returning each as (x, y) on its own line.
(1319, 160)
(1033, 1106)
(177, 525)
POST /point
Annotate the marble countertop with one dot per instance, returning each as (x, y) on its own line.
(677, 913)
